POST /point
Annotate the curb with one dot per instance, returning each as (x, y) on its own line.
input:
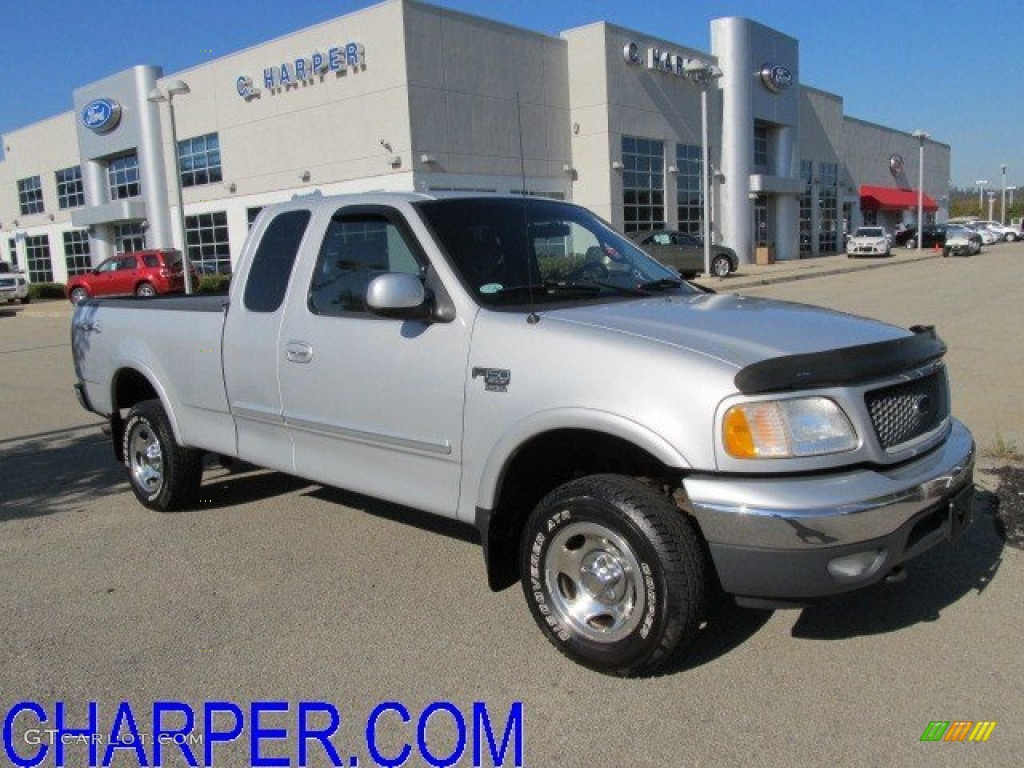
(807, 272)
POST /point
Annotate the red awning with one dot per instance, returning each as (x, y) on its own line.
(899, 199)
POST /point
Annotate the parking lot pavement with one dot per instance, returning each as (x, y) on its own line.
(802, 269)
(277, 589)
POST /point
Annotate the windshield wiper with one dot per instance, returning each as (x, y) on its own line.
(549, 286)
(661, 284)
(623, 290)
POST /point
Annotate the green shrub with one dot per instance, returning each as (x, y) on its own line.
(46, 290)
(213, 284)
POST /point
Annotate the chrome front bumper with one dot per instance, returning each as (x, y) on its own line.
(779, 538)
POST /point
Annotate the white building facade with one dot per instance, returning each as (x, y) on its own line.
(407, 96)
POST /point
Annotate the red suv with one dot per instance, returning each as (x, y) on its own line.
(143, 273)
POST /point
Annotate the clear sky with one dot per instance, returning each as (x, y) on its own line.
(954, 68)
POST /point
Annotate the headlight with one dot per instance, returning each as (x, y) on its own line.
(782, 429)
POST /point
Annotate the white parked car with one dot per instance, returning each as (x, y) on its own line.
(1009, 234)
(13, 285)
(868, 241)
(988, 236)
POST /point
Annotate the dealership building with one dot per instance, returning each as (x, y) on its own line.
(408, 96)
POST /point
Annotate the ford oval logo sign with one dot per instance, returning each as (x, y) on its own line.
(776, 78)
(101, 115)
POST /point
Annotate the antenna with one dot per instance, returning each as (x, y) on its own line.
(532, 318)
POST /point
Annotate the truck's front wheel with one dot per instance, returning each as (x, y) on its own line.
(614, 574)
(163, 475)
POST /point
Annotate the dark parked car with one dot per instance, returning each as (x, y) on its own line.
(142, 273)
(685, 252)
(934, 235)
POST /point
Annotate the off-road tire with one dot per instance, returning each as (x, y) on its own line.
(163, 475)
(614, 573)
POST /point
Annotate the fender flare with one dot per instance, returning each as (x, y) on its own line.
(555, 419)
(123, 365)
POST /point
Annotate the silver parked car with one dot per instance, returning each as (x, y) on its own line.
(685, 252)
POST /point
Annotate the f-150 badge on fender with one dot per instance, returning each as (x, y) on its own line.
(495, 379)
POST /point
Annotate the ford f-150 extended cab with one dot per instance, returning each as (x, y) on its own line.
(621, 439)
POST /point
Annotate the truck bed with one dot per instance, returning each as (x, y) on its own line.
(181, 353)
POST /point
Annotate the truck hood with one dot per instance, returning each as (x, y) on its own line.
(736, 330)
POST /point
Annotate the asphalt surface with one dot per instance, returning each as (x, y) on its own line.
(279, 590)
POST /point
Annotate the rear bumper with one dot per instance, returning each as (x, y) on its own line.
(799, 539)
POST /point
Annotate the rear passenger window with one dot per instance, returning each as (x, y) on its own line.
(273, 262)
(358, 246)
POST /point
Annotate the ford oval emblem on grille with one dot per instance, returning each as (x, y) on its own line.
(923, 405)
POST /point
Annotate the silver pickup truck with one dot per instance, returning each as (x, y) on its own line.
(624, 442)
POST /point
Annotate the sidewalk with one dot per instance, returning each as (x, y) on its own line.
(803, 269)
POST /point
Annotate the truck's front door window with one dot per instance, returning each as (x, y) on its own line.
(357, 247)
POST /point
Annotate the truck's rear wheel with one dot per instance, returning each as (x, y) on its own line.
(614, 574)
(163, 475)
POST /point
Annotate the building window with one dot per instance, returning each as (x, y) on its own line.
(828, 202)
(37, 253)
(643, 183)
(123, 177)
(199, 160)
(760, 146)
(806, 207)
(70, 193)
(76, 252)
(251, 214)
(206, 236)
(30, 195)
(129, 237)
(13, 245)
(690, 208)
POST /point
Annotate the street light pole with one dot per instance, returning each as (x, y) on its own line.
(991, 202)
(920, 136)
(981, 195)
(176, 88)
(1002, 207)
(702, 73)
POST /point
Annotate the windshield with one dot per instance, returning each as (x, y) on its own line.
(511, 251)
(869, 232)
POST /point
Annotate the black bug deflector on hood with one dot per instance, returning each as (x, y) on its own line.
(837, 367)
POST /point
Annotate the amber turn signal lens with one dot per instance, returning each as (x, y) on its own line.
(739, 441)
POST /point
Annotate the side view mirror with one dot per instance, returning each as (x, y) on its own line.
(398, 295)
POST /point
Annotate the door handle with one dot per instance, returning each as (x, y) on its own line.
(298, 352)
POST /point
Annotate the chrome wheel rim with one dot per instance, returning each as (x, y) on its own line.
(595, 582)
(78, 295)
(146, 290)
(145, 458)
(720, 267)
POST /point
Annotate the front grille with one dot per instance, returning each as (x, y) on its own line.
(905, 411)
